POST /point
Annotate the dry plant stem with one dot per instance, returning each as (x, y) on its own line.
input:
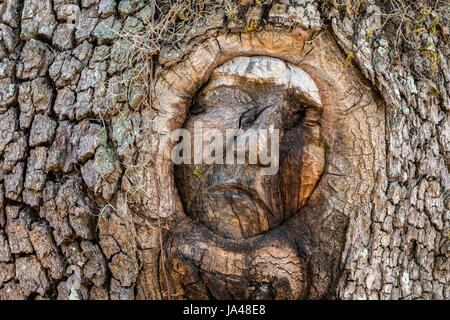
(166, 279)
(169, 293)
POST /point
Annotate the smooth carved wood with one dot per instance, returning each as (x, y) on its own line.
(239, 201)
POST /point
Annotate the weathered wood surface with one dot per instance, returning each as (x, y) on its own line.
(78, 212)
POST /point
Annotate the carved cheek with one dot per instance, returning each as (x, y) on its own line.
(301, 167)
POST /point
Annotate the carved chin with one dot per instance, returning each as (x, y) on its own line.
(205, 265)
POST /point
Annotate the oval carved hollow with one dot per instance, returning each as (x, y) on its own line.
(234, 233)
(238, 201)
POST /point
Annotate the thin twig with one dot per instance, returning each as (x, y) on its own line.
(169, 291)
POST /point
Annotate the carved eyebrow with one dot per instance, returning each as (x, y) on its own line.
(227, 83)
(273, 70)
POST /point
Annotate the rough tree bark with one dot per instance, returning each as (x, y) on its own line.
(78, 209)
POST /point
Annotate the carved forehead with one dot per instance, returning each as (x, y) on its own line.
(270, 70)
(263, 69)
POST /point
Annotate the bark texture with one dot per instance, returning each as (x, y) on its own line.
(79, 206)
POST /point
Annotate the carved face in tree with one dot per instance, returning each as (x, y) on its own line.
(235, 232)
(240, 201)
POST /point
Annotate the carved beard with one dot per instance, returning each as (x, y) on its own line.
(238, 201)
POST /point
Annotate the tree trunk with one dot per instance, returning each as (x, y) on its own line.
(92, 207)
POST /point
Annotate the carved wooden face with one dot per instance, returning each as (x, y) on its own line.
(233, 232)
(239, 201)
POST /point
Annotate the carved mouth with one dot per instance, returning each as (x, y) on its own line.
(233, 210)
